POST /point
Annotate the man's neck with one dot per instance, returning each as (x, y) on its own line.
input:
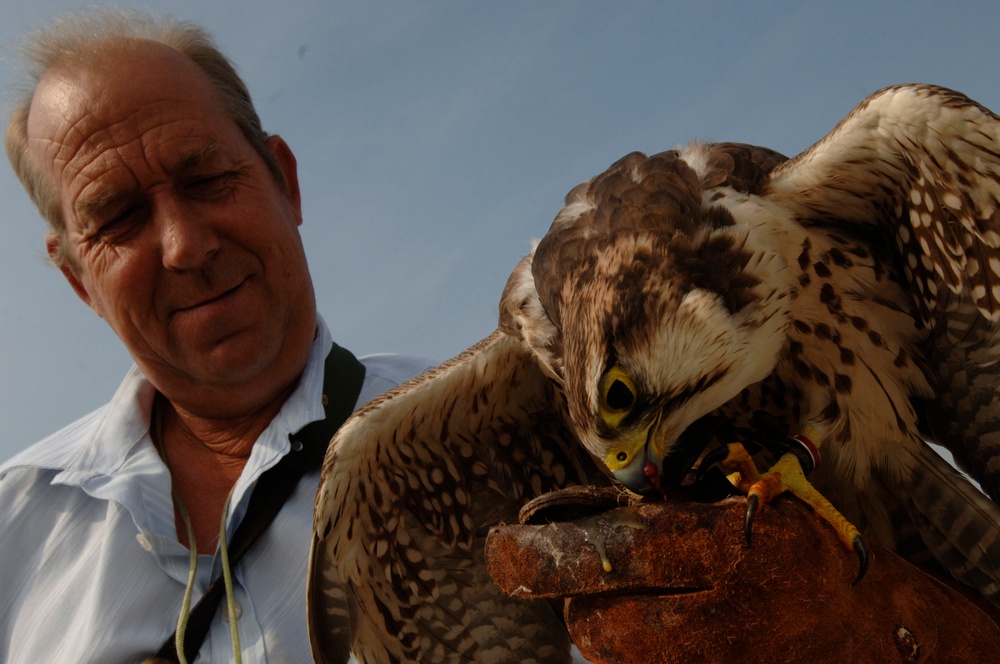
(205, 457)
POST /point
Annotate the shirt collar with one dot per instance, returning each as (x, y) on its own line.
(113, 442)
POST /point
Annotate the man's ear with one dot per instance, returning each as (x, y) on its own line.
(289, 168)
(53, 245)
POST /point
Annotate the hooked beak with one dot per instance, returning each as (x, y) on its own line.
(643, 470)
(640, 476)
(641, 467)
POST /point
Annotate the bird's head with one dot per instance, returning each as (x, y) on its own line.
(658, 311)
(663, 361)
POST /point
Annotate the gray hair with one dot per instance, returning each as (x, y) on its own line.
(83, 39)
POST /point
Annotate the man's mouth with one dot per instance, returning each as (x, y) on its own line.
(215, 298)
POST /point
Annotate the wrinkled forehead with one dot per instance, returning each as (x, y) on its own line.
(136, 109)
(111, 93)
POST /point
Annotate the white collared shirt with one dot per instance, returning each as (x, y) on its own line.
(90, 566)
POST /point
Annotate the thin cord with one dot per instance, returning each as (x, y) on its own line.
(156, 433)
(185, 613)
(227, 577)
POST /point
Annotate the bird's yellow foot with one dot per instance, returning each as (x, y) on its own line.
(785, 475)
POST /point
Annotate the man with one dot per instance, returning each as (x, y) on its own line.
(176, 219)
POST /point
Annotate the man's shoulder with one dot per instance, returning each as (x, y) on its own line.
(384, 371)
(395, 367)
(54, 452)
(29, 486)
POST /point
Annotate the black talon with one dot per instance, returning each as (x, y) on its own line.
(861, 548)
(753, 502)
(712, 458)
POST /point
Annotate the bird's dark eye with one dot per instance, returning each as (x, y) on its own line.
(618, 396)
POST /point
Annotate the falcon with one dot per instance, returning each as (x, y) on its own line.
(833, 313)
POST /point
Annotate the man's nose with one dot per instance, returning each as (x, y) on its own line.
(188, 236)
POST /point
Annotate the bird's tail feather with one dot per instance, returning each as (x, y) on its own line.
(957, 522)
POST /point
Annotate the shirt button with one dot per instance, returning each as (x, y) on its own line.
(225, 611)
(144, 542)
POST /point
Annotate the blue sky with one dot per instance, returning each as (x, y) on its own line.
(436, 139)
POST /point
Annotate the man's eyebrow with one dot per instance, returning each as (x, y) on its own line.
(100, 202)
(96, 205)
(198, 157)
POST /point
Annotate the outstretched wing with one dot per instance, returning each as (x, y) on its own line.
(916, 168)
(410, 486)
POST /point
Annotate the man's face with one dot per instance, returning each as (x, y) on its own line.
(178, 234)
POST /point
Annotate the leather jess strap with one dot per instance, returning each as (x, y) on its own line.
(342, 380)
